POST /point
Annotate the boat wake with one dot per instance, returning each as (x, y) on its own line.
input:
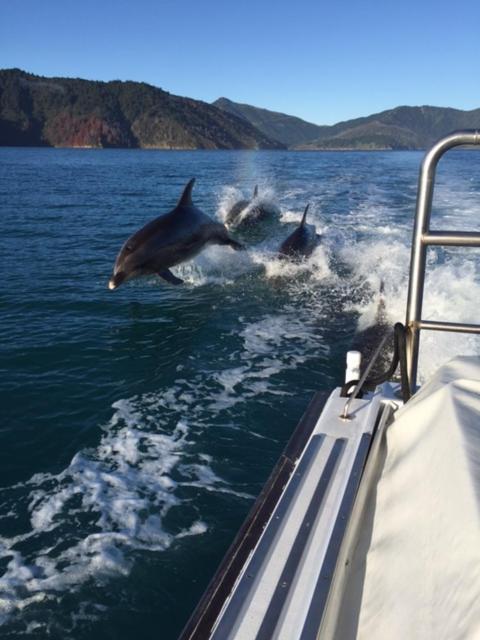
(240, 347)
(355, 256)
(137, 489)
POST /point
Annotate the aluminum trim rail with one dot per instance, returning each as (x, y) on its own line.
(458, 327)
(451, 238)
(423, 237)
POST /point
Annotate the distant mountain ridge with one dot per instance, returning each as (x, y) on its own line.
(70, 112)
(288, 130)
(399, 128)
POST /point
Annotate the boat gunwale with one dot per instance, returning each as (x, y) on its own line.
(204, 616)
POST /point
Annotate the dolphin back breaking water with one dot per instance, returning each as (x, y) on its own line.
(247, 214)
(301, 243)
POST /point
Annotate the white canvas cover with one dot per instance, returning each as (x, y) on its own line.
(420, 578)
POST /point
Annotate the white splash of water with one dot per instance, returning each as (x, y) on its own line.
(452, 291)
(115, 497)
(124, 488)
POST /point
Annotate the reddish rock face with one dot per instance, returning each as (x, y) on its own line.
(71, 112)
(65, 130)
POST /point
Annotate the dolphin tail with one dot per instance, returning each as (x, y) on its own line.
(233, 243)
(221, 236)
(255, 191)
(186, 197)
(304, 218)
(237, 245)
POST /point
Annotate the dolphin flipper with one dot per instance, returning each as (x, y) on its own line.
(169, 277)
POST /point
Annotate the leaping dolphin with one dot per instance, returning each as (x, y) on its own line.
(167, 241)
(301, 243)
(246, 213)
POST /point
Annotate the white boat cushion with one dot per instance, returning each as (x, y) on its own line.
(422, 569)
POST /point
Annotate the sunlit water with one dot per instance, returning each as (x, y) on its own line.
(138, 425)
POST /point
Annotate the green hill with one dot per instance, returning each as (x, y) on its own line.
(289, 130)
(68, 112)
(399, 128)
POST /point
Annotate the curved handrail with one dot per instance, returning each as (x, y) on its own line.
(422, 238)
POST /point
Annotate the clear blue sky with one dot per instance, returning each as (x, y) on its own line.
(322, 61)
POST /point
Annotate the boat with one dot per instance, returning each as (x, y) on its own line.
(369, 524)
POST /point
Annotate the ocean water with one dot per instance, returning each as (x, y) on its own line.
(139, 425)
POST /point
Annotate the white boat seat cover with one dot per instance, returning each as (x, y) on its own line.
(421, 578)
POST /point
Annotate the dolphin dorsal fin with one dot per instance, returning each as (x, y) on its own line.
(381, 317)
(304, 215)
(186, 197)
(255, 191)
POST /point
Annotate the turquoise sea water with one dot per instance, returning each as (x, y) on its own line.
(138, 425)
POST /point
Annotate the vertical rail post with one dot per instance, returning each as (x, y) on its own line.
(423, 211)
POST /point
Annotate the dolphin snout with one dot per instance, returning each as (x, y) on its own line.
(116, 280)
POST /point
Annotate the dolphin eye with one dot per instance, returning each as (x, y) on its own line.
(129, 248)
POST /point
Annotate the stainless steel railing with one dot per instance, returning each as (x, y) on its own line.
(423, 237)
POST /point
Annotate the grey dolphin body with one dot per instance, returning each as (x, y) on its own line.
(246, 213)
(301, 243)
(167, 241)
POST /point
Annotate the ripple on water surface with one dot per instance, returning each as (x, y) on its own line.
(139, 425)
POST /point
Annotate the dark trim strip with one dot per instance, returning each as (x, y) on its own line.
(317, 605)
(237, 602)
(287, 578)
(205, 614)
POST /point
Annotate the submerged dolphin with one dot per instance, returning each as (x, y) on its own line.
(246, 213)
(367, 340)
(301, 243)
(240, 206)
(167, 241)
